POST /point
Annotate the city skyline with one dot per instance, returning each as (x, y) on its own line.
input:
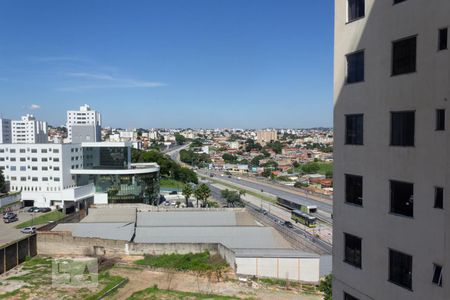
(198, 57)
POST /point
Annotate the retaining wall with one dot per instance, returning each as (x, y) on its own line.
(16, 253)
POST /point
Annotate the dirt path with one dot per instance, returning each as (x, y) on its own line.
(142, 279)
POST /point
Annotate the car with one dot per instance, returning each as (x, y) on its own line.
(45, 209)
(239, 178)
(31, 209)
(173, 193)
(211, 175)
(28, 230)
(35, 210)
(9, 214)
(229, 176)
(288, 224)
(10, 219)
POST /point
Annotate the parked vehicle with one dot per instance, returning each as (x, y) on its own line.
(35, 210)
(31, 209)
(288, 224)
(10, 219)
(28, 230)
(173, 193)
(9, 214)
(45, 209)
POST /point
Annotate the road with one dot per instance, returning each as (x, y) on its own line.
(8, 232)
(277, 216)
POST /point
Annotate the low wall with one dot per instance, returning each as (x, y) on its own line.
(6, 200)
(15, 253)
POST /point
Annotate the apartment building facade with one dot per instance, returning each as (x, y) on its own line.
(266, 136)
(83, 125)
(391, 178)
(28, 130)
(5, 131)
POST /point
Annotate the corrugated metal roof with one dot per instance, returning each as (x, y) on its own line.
(191, 218)
(110, 215)
(231, 237)
(109, 231)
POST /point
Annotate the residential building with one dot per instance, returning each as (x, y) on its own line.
(5, 131)
(266, 136)
(28, 130)
(391, 217)
(83, 125)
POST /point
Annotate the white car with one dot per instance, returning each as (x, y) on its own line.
(28, 230)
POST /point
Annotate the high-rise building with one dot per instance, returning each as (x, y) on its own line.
(391, 214)
(83, 125)
(5, 131)
(266, 136)
(28, 130)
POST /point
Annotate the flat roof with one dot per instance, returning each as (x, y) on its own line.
(109, 231)
(110, 215)
(229, 236)
(192, 218)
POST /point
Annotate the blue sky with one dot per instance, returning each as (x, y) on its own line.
(169, 63)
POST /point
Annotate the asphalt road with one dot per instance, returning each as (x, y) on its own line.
(7, 231)
(328, 208)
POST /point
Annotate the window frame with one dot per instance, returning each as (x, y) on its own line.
(436, 188)
(351, 260)
(439, 39)
(346, 129)
(396, 213)
(363, 51)
(347, 176)
(439, 280)
(438, 118)
(390, 279)
(392, 55)
(391, 144)
(348, 21)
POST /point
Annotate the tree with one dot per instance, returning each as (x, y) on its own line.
(202, 192)
(242, 193)
(180, 139)
(187, 192)
(311, 168)
(2, 183)
(255, 161)
(229, 158)
(325, 287)
(275, 146)
(232, 197)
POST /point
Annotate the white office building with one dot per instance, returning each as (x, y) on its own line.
(28, 130)
(72, 175)
(391, 214)
(5, 131)
(83, 125)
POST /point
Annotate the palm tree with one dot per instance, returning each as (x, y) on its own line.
(187, 192)
(202, 192)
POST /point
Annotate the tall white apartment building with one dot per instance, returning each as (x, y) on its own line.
(5, 131)
(28, 130)
(391, 150)
(83, 125)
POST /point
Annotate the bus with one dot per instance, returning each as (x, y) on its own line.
(303, 218)
(292, 205)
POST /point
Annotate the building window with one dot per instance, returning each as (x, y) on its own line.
(437, 275)
(56, 179)
(402, 195)
(443, 39)
(438, 197)
(400, 269)
(355, 67)
(44, 159)
(23, 168)
(352, 253)
(404, 56)
(353, 189)
(43, 150)
(44, 168)
(402, 128)
(440, 119)
(354, 126)
(355, 9)
(33, 150)
(34, 179)
(349, 297)
(56, 169)
(398, 1)
(34, 168)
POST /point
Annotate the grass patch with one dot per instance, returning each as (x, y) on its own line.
(154, 293)
(198, 262)
(109, 281)
(306, 288)
(171, 183)
(43, 219)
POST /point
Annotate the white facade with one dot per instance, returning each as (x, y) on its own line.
(84, 117)
(40, 171)
(28, 130)
(424, 237)
(5, 131)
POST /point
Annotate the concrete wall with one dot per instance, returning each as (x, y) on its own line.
(10, 199)
(15, 253)
(298, 269)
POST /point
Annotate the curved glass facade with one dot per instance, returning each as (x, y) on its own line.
(129, 188)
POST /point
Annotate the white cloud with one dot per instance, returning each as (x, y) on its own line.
(34, 107)
(102, 81)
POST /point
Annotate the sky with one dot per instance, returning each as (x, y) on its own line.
(169, 63)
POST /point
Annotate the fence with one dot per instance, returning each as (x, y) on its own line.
(15, 253)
